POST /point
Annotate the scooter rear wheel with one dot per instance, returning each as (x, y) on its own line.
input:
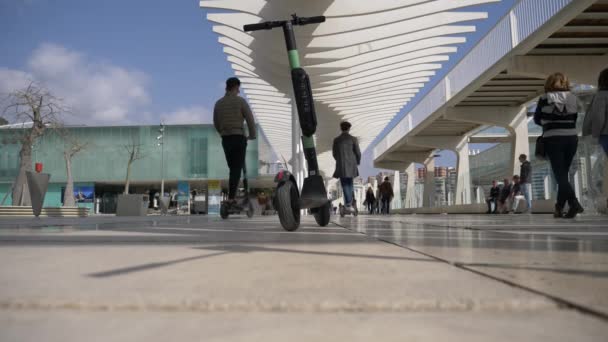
(224, 211)
(322, 214)
(249, 210)
(288, 207)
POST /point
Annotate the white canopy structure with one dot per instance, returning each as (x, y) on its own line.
(366, 62)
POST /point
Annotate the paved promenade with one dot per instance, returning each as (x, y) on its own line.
(397, 278)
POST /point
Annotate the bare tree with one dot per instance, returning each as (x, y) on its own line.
(134, 152)
(72, 147)
(38, 110)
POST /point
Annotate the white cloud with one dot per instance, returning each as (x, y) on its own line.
(96, 92)
(189, 115)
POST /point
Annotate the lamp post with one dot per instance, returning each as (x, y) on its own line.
(161, 143)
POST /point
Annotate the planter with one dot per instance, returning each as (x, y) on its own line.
(132, 205)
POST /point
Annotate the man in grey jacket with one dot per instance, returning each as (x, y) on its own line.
(347, 154)
(228, 115)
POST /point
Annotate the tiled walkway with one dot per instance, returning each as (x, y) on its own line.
(429, 278)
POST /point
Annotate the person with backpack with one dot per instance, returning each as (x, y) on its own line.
(556, 112)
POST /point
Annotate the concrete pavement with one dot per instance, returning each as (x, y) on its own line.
(193, 278)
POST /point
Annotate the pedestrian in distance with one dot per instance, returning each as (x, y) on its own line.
(229, 114)
(596, 120)
(556, 112)
(347, 154)
(386, 195)
(525, 177)
(370, 199)
(493, 198)
(503, 199)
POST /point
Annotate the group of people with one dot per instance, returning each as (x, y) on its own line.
(556, 112)
(380, 204)
(506, 198)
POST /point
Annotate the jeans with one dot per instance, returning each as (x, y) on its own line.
(561, 151)
(235, 147)
(370, 207)
(604, 143)
(526, 190)
(347, 187)
(386, 205)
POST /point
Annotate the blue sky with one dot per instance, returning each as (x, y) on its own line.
(139, 61)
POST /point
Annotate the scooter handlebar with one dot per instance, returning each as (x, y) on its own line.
(267, 25)
(309, 20)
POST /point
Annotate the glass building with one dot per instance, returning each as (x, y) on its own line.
(192, 153)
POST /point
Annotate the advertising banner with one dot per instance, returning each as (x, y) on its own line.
(215, 196)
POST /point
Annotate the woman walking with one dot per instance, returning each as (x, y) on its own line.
(370, 199)
(557, 112)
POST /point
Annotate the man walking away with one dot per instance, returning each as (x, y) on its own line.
(503, 205)
(347, 154)
(493, 199)
(386, 194)
(525, 178)
(228, 115)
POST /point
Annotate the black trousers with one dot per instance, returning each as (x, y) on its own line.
(235, 147)
(561, 151)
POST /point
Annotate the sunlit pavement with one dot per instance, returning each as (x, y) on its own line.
(395, 278)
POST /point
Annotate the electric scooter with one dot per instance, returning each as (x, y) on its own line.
(242, 204)
(355, 211)
(287, 200)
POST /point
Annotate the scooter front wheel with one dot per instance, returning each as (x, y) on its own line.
(322, 214)
(288, 206)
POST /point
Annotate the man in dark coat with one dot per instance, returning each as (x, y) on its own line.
(347, 154)
(386, 195)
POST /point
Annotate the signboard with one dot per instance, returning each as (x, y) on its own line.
(215, 196)
(84, 193)
(183, 191)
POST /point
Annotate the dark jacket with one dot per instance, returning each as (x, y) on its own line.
(505, 192)
(386, 190)
(369, 197)
(494, 192)
(525, 172)
(347, 155)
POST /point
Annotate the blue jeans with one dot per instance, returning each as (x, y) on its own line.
(604, 143)
(525, 190)
(347, 187)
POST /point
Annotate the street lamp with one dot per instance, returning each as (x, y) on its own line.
(161, 143)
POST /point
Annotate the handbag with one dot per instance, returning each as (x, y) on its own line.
(539, 149)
